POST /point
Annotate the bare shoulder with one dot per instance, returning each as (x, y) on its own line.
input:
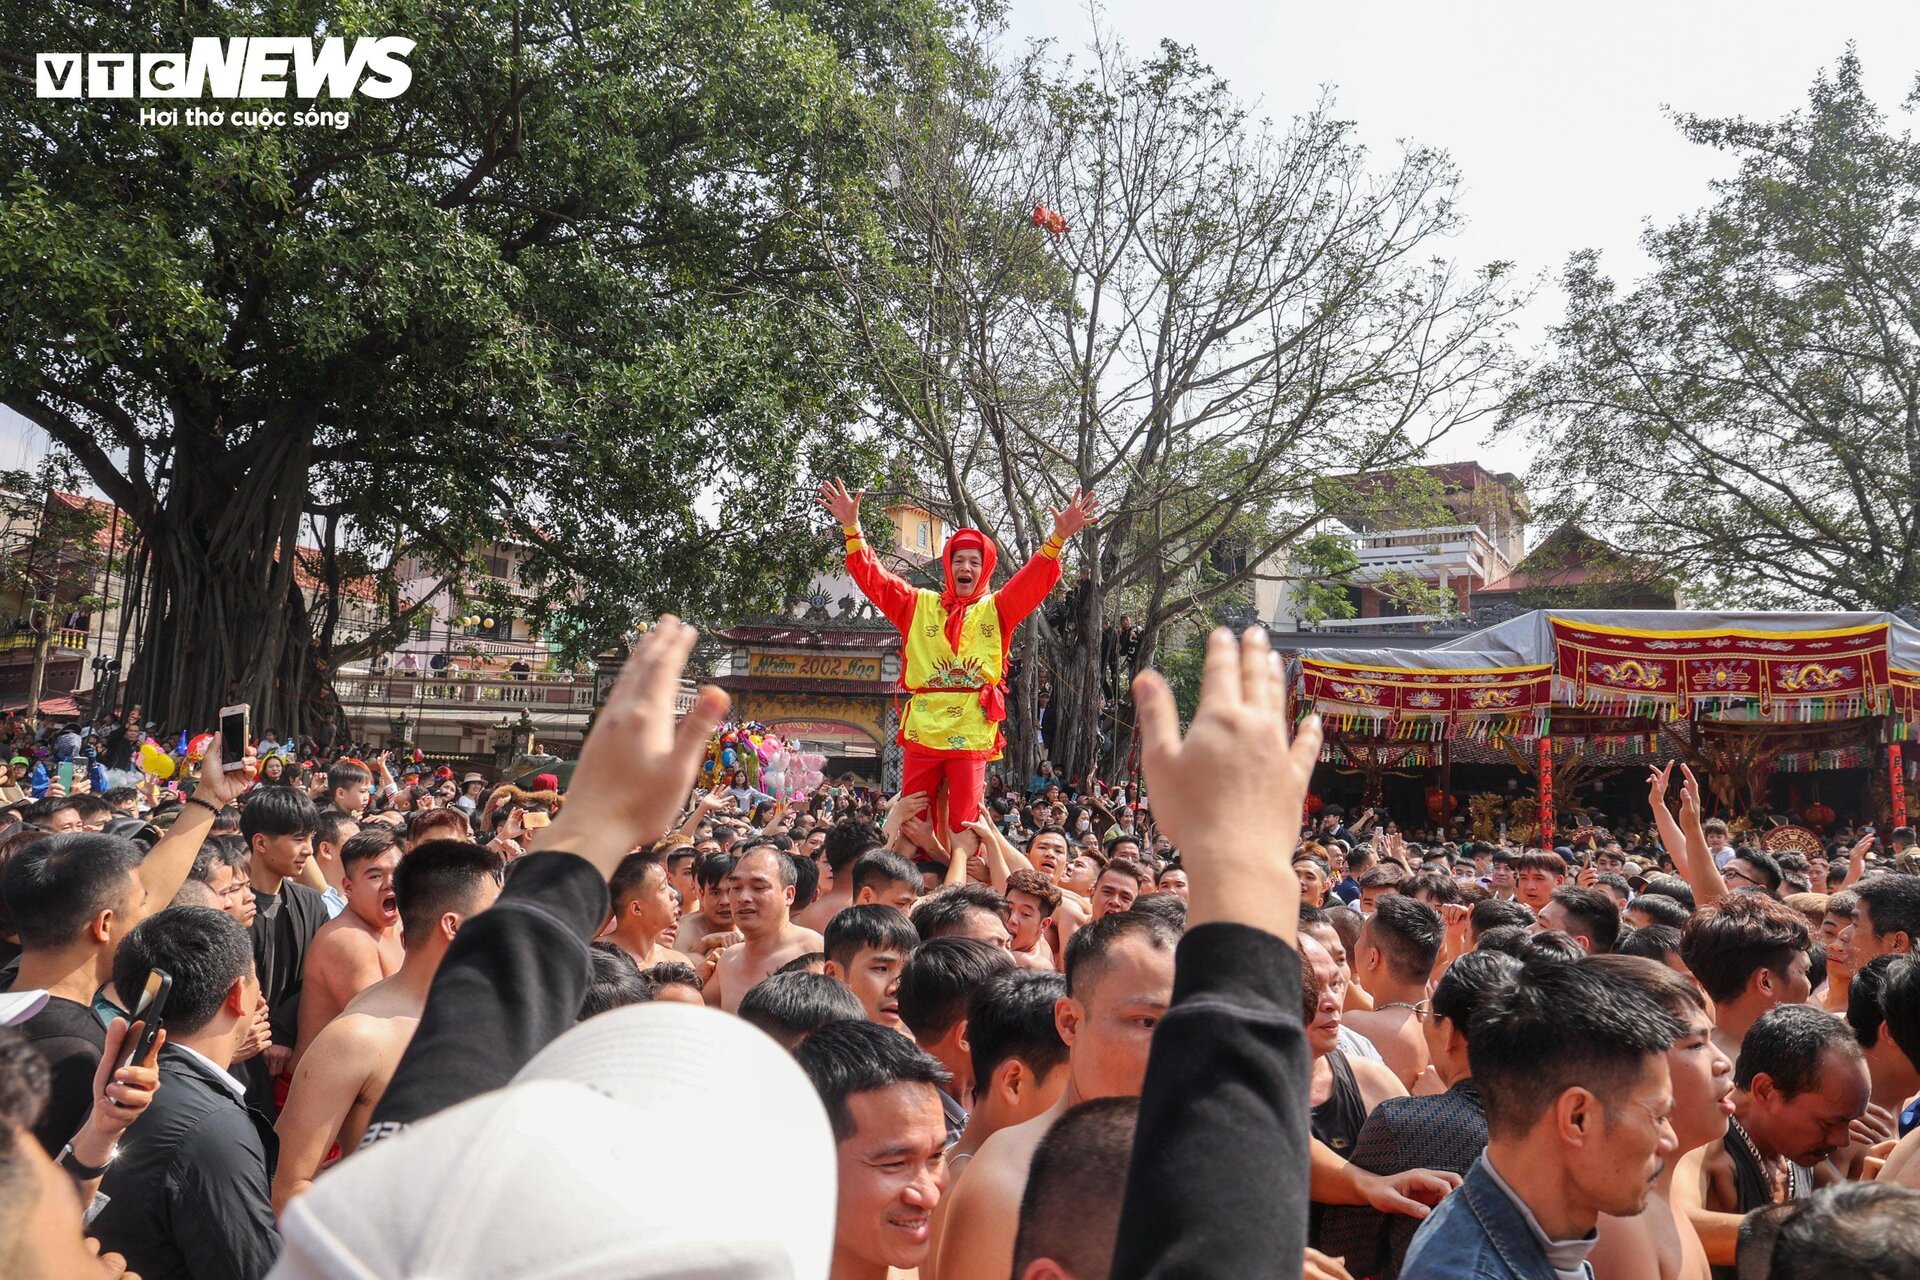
(807, 939)
(1376, 1082)
(1626, 1250)
(339, 937)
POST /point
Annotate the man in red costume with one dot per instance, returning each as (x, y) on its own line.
(954, 654)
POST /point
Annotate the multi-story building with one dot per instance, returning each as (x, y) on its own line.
(1476, 542)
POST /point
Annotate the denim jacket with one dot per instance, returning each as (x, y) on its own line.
(1477, 1233)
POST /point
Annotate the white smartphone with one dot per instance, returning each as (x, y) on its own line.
(236, 731)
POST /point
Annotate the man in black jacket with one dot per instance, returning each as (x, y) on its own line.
(187, 1198)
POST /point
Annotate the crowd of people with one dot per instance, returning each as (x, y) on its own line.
(424, 1026)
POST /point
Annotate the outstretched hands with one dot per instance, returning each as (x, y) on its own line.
(844, 506)
(1076, 515)
(1240, 743)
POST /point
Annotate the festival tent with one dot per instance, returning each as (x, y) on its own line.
(1511, 677)
(1750, 695)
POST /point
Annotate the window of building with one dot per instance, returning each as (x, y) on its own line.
(925, 534)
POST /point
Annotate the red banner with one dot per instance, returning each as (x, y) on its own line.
(1392, 692)
(1546, 792)
(1793, 674)
(1906, 693)
(1897, 785)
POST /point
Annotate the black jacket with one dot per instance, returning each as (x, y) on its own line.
(1218, 1182)
(511, 983)
(187, 1199)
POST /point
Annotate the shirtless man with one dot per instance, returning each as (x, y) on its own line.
(1031, 900)
(361, 945)
(710, 927)
(760, 890)
(1395, 959)
(845, 844)
(645, 908)
(1800, 1082)
(1119, 983)
(1658, 1243)
(336, 1087)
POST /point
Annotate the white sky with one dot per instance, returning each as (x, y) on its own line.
(1553, 111)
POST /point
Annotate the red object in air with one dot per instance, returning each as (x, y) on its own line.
(1051, 221)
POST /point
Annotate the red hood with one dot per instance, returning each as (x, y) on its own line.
(988, 555)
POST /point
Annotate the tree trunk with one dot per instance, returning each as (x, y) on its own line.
(226, 618)
(42, 645)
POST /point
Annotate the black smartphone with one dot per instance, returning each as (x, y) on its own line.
(150, 1009)
(236, 731)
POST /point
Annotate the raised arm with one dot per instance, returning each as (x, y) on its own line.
(1033, 580)
(890, 593)
(1704, 876)
(1857, 861)
(165, 868)
(1217, 1183)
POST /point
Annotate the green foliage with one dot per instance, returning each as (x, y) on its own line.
(567, 289)
(1746, 415)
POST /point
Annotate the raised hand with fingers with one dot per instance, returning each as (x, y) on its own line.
(841, 504)
(636, 763)
(1240, 743)
(1076, 515)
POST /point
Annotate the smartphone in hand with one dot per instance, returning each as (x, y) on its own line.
(236, 732)
(150, 1009)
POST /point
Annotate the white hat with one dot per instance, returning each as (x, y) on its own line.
(17, 1006)
(560, 1175)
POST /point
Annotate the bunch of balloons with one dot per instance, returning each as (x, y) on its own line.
(768, 763)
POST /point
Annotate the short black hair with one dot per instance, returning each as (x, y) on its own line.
(346, 773)
(803, 874)
(1170, 907)
(372, 841)
(1553, 944)
(1438, 884)
(1727, 942)
(1662, 910)
(1849, 1231)
(438, 877)
(1560, 1025)
(331, 823)
(1076, 1183)
(1011, 1016)
(1865, 1012)
(1495, 912)
(856, 1056)
(1900, 999)
(1595, 911)
(219, 851)
(1787, 1044)
(117, 796)
(1507, 939)
(278, 811)
(792, 1006)
(712, 870)
(1655, 942)
(615, 981)
(204, 949)
(880, 868)
(630, 876)
(1467, 983)
(1764, 863)
(1659, 982)
(848, 840)
(55, 885)
(940, 978)
(1893, 903)
(946, 910)
(870, 926)
(1087, 952)
(671, 973)
(1670, 887)
(1409, 933)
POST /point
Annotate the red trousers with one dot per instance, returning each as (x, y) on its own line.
(923, 771)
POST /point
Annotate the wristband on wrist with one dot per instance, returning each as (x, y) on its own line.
(213, 809)
(85, 1172)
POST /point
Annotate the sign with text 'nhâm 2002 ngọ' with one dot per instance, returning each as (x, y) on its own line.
(816, 666)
